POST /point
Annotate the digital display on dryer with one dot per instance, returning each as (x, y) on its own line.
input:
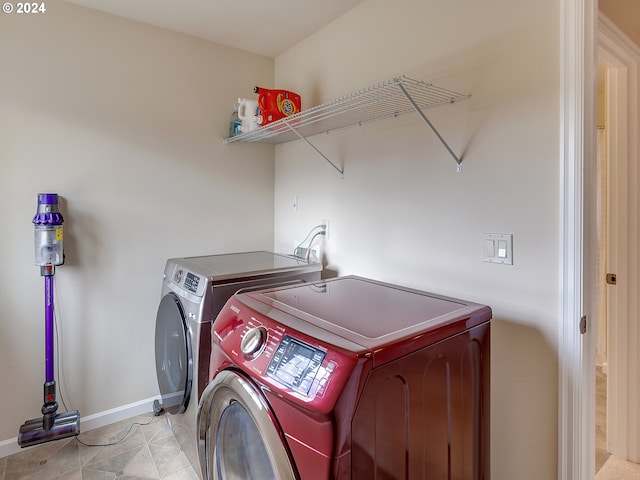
(191, 282)
(295, 364)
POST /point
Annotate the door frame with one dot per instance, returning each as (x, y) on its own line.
(576, 408)
(622, 58)
(580, 34)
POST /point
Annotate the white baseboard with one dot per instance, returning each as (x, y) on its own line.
(90, 422)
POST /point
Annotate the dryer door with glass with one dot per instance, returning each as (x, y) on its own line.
(238, 436)
(174, 360)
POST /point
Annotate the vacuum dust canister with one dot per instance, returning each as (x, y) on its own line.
(48, 231)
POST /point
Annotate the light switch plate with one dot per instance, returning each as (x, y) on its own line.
(498, 248)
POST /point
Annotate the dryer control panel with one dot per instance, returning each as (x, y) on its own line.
(289, 361)
(295, 364)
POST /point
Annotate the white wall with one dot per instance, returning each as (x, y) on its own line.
(402, 214)
(125, 122)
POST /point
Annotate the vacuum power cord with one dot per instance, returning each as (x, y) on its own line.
(118, 440)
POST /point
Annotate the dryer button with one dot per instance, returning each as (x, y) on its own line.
(322, 386)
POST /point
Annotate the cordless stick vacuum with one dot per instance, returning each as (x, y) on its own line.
(48, 254)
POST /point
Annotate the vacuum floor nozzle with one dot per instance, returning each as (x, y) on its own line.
(33, 432)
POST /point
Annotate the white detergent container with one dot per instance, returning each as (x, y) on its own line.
(247, 110)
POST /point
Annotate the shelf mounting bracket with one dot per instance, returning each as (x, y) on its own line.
(301, 137)
(428, 122)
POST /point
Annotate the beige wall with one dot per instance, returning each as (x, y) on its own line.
(125, 122)
(625, 14)
(402, 214)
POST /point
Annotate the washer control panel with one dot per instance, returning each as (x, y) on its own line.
(184, 282)
(186, 279)
(191, 282)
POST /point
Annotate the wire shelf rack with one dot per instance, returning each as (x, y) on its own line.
(391, 98)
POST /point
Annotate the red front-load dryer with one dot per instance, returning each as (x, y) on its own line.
(347, 379)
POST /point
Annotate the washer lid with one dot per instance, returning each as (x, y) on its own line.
(245, 265)
(372, 313)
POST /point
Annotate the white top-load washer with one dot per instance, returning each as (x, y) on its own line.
(194, 289)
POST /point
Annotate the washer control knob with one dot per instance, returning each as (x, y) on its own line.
(253, 341)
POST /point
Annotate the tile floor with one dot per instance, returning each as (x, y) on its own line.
(148, 452)
(601, 419)
(151, 452)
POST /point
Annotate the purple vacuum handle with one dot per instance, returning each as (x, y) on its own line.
(48, 326)
(48, 214)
